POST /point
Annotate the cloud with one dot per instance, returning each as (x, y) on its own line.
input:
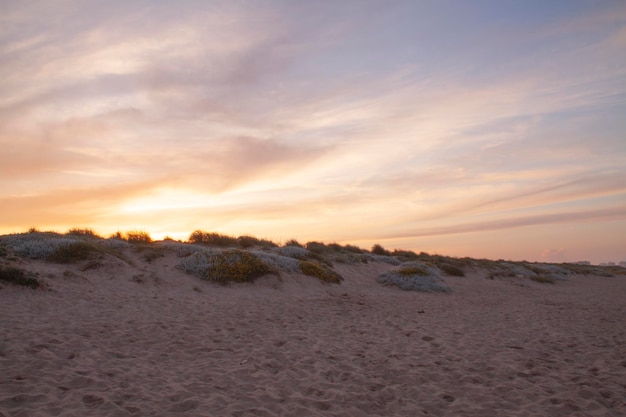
(404, 117)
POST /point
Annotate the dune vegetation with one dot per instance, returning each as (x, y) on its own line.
(228, 259)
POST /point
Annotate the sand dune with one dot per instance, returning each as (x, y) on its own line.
(137, 338)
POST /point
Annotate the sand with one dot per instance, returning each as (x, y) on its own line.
(149, 340)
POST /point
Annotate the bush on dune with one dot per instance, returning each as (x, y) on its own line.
(379, 250)
(228, 266)
(543, 279)
(249, 242)
(415, 276)
(78, 232)
(320, 272)
(200, 237)
(138, 236)
(37, 245)
(17, 276)
(72, 252)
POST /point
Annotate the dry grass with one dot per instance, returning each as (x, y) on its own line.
(322, 273)
(74, 252)
(235, 266)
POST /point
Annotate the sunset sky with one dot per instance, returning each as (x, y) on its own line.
(491, 129)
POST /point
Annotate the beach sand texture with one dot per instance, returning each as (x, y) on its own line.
(150, 340)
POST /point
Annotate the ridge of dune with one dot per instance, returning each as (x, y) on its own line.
(138, 336)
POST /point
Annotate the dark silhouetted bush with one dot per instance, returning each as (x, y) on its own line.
(213, 239)
(379, 250)
(83, 233)
(246, 242)
(293, 242)
(138, 236)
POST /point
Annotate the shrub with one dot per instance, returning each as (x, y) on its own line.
(227, 266)
(405, 255)
(83, 233)
(16, 276)
(279, 262)
(295, 252)
(237, 266)
(75, 251)
(452, 270)
(353, 249)
(114, 243)
(36, 245)
(415, 276)
(318, 271)
(379, 250)
(212, 239)
(543, 279)
(414, 269)
(138, 236)
(293, 242)
(245, 242)
(316, 247)
(385, 259)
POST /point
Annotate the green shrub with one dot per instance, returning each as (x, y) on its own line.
(236, 266)
(16, 276)
(76, 251)
(320, 272)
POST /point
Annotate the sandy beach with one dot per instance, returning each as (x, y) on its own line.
(137, 338)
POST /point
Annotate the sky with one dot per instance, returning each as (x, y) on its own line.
(486, 128)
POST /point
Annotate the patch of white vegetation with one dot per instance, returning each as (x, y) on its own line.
(291, 251)
(415, 276)
(36, 245)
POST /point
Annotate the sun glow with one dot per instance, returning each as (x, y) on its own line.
(168, 199)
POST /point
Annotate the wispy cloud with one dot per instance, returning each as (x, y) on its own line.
(355, 118)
